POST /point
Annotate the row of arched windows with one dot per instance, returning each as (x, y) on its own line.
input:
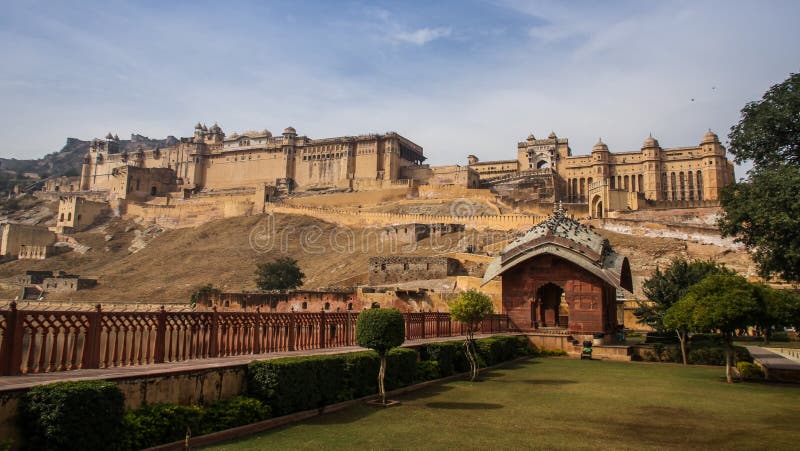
(674, 185)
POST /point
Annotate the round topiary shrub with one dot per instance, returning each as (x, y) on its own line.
(381, 330)
(750, 371)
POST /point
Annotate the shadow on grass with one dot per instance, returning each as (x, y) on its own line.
(547, 381)
(464, 405)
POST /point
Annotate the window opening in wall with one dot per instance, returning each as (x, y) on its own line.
(304, 305)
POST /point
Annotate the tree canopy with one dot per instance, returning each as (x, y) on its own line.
(763, 212)
(723, 302)
(666, 287)
(380, 329)
(769, 130)
(281, 274)
(471, 308)
(764, 215)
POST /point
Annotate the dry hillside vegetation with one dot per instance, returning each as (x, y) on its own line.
(173, 263)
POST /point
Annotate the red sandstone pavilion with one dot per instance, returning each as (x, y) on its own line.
(561, 278)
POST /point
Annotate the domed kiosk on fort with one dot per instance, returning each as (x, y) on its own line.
(561, 278)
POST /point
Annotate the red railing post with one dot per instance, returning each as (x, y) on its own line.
(91, 342)
(292, 332)
(348, 333)
(214, 333)
(438, 326)
(11, 352)
(257, 332)
(322, 329)
(161, 336)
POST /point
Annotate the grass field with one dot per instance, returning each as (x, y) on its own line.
(566, 404)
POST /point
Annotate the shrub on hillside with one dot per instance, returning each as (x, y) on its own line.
(73, 416)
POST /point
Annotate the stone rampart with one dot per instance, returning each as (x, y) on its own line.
(379, 219)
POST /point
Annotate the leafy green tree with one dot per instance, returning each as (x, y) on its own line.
(470, 309)
(679, 317)
(381, 330)
(769, 130)
(763, 212)
(281, 274)
(722, 302)
(664, 289)
(779, 309)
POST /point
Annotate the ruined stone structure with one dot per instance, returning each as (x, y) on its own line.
(282, 301)
(561, 275)
(35, 284)
(395, 269)
(211, 160)
(76, 213)
(14, 237)
(61, 184)
(35, 252)
(652, 176)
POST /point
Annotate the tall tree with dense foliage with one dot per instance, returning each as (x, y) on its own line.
(763, 212)
(380, 330)
(679, 317)
(724, 303)
(281, 274)
(470, 309)
(665, 288)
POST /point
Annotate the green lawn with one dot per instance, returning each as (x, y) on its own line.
(567, 404)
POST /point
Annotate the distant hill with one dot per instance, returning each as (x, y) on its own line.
(68, 160)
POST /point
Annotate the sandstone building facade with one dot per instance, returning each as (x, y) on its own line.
(680, 176)
(211, 160)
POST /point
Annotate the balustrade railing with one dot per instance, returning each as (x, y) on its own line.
(33, 341)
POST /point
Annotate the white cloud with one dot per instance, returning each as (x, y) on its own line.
(423, 36)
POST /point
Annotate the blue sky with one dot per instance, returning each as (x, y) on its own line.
(457, 77)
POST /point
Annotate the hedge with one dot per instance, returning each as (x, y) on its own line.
(73, 416)
(300, 383)
(156, 424)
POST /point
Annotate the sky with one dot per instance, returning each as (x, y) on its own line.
(456, 77)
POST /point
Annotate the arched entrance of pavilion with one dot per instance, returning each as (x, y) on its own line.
(596, 206)
(550, 308)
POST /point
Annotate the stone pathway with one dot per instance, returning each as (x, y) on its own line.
(776, 366)
(11, 383)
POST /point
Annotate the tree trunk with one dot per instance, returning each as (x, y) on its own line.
(469, 349)
(682, 339)
(728, 358)
(381, 375)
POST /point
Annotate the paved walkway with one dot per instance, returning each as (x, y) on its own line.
(9, 383)
(772, 359)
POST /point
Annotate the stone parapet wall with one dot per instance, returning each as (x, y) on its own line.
(360, 219)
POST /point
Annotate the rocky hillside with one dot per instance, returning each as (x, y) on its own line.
(68, 160)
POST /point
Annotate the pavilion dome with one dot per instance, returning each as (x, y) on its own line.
(289, 131)
(531, 137)
(600, 146)
(650, 142)
(552, 135)
(710, 138)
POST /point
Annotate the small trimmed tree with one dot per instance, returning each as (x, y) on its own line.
(725, 303)
(679, 318)
(281, 274)
(380, 330)
(470, 309)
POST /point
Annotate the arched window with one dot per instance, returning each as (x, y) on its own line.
(350, 306)
(304, 305)
(612, 181)
(673, 186)
(664, 185)
(691, 185)
(683, 186)
(69, 216)
(699, 185)
(626, 183)
(327, 306)
(62, 217)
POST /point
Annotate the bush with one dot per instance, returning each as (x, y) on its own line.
(779, 336)
(716, 356)
(380, 329)
(156, 424)
(494, 350)
(401, 368)
(750, 371)
(449, 357)
(297, 383)
(232, 413)
(360, 374)
(661, 337)
(427, 370)
(73, 415)
(706, 340)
